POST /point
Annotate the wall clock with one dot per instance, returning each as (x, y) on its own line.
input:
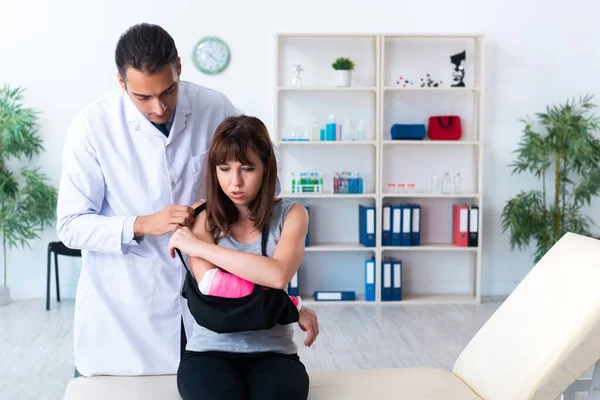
(211, 55)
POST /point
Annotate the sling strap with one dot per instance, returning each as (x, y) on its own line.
(262, 309)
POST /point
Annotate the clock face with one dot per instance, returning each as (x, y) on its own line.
(211, 55)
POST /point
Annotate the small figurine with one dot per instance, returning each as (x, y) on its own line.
(459, 70)
(297, 80)
(403, 82)
(429, 82)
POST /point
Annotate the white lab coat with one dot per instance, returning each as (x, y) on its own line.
(116, 164)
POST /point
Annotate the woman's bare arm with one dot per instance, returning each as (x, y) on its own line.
(273, 272)
(199, 265)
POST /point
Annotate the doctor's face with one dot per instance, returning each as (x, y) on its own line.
(241, 182)
(155, 95)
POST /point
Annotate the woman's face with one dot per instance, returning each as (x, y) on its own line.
(241, 183)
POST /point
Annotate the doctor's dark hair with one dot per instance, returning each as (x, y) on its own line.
(232, 140)
(146, 48)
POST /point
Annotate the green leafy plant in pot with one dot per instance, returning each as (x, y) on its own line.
(343, 68)
(562, 151)
(27, 202)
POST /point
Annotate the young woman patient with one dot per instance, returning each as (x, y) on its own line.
(240, 189)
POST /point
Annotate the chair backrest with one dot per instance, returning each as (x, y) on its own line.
(60, 248)
(546, 334)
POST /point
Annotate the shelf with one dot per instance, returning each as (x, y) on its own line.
(328, 196)
(328, 89)
(430, 247)
(375, 90)
(431, 89)
(338, 247)
(429, 195)
(327, 143)
(407, 299)
(429, 142)
(432, 35)
(319, 35)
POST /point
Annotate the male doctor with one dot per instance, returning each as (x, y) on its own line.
(132, 167)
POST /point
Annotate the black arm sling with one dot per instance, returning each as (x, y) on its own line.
(262, 309)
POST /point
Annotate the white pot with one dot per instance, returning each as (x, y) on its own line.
(4, 296)
(344, 77)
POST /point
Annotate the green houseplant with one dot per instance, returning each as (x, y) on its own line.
(564, 153)
(343, 68)
(27, 202)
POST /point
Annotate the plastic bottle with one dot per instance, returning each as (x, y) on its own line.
(361, 130)
(315, 131)
(306, 134)
(457, 183)
(348, 131)
(446, 183)
(330, 128)
(435, 183)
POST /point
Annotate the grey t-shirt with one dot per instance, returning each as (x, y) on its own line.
(280, 338)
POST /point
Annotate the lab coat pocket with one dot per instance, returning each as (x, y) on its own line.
(198, 163)
(131, 280)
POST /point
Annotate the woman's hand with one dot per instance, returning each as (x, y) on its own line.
(185, 241)
(309, 324)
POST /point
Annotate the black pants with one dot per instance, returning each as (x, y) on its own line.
(220, 375)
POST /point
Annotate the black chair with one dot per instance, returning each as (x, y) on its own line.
(58, 248)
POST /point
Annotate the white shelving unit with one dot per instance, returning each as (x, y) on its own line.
(375, 97)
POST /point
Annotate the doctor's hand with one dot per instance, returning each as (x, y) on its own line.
(308, 323)
(167, 220)
(184, 240)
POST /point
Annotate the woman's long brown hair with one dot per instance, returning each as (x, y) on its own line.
(232, 140)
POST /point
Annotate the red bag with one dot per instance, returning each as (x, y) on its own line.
(446, 127)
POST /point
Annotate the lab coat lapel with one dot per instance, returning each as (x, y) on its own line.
(138, 123)
(181, 115)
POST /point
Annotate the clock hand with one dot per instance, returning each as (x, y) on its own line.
(211, 56)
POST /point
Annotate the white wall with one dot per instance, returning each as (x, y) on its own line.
(538, 53)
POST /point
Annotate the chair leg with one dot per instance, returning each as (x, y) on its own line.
(589, 385)
(48, 281)
(56, 273)
(595, 385)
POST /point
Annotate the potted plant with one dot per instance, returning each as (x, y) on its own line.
(564, 153)
(27, 202)
(343, 68)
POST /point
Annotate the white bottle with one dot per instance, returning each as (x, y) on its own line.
(306, 135)
(292, 134)
(457, 183)
(316, 130)
(348, 131)
(361, 130)
(435, 183)
(446, 183)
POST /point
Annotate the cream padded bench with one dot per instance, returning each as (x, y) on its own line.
(543, 337)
